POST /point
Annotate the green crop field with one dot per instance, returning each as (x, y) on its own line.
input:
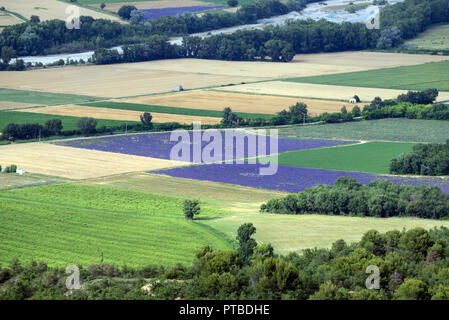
(371, 157)
(418, 77)
(405, 130)
(434, 38)
(70, 223)
(41, 98)
(69, 123)
(287, 233)
(173, 110)
(214, 194)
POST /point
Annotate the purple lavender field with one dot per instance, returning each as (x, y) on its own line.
(149, 14)
(158, 144)
(290, 179)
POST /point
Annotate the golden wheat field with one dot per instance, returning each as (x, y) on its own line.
(302, 64)
(238, 102)
(162, 76)
(308, 90)
(113, 81)
(117, 114)
(75, 163)
(49, 9)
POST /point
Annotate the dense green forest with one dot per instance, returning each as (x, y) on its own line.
(379, 198)
(425, 159)
(412, 265)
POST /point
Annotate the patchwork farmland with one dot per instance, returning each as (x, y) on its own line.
(139, 165)
(105, 179)
(224, 149)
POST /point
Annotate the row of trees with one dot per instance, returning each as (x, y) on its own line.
(425, 159)
(86, 126)
(274, 43)
(14, 131)
(378, 199)
(413, 265)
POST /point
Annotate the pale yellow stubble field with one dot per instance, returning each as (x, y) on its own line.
(113, 81)
(303, 64)
(162, 76)
(320, 91)
(238, 102)
(76, 163)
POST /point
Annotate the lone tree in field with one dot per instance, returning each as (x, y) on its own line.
(102, 6)
(146, 118)
(233, 3)
(87, 125)
(246, 243)
(191, 208)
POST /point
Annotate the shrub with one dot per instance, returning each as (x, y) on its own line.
(125, 12)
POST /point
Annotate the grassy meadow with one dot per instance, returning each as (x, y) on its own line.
(417, 77)
(436, 37)
(371, 157)
(401, 130)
